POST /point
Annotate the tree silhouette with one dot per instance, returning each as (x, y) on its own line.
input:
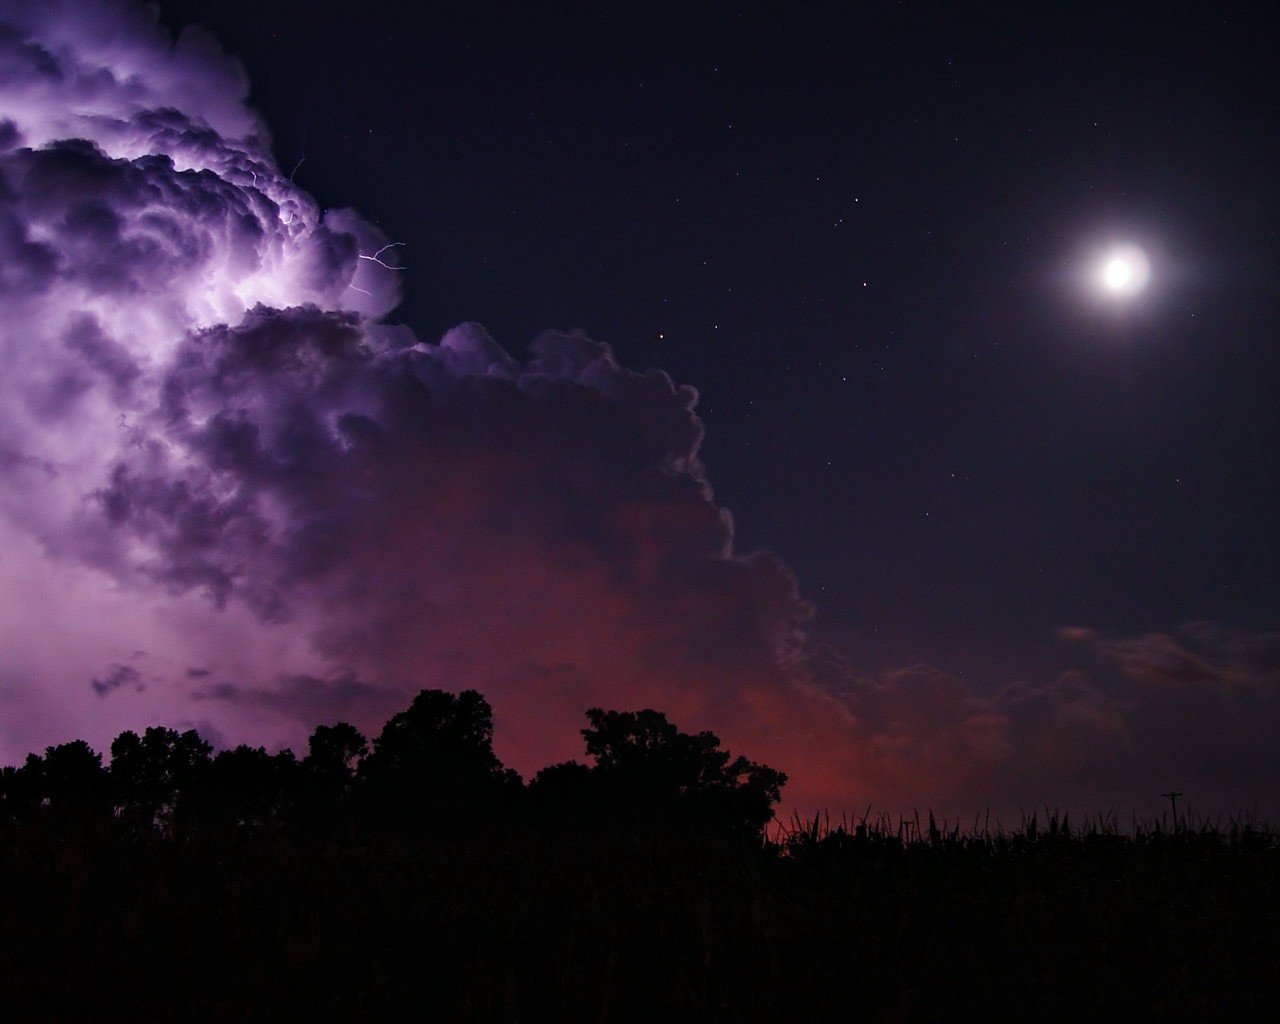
(646, 767)
(434, 758)
(150, 773)
(334, 751)
(246, 787)
(67, 784)
(325, 776)
(74, 781)
(435, 755)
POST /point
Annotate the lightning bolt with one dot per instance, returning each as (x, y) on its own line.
(377, 256)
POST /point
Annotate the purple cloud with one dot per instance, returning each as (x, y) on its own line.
(216, 444)
(114, 678)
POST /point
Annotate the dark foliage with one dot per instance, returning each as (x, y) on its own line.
(153, 774)
(417, 878)
(436, 757)
(646, 769)
(432, 762)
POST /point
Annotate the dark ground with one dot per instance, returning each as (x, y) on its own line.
(414, 876)
(530, 923)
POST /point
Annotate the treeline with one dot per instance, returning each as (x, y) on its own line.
(413, 876)
(432, 766)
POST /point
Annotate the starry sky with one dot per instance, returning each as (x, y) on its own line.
(855, 234)
(1033, 523)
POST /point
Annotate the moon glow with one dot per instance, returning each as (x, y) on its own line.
(1124, 271)
(1117, 273)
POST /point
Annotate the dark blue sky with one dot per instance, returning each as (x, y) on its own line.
(857, 236)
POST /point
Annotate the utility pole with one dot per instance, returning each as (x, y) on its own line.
(1173, 799)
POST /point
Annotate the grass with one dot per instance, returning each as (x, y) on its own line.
(909, 920)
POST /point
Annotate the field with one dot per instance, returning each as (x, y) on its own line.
(527, 923)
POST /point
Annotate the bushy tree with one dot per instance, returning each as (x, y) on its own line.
(153, 772)
(335, 751)
(67, 784)
(246, 787)
(326, 775)
(644, 766)
(437, 754)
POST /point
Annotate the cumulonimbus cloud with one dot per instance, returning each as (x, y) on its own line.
(210, 430)
(216, 448)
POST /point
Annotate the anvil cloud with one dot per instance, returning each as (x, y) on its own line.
(233, 493)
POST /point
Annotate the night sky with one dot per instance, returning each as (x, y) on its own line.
(855, 236)
(1035, 520)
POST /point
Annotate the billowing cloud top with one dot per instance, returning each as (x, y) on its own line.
(233, 493)
(207, 425)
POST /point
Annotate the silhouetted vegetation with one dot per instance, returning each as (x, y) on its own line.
(416, 875)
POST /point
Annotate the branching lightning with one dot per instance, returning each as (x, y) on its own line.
(377, 256)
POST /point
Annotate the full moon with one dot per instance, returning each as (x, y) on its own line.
(1124, 271)
(1117, 273)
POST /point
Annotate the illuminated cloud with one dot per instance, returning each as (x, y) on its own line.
(215, 446)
